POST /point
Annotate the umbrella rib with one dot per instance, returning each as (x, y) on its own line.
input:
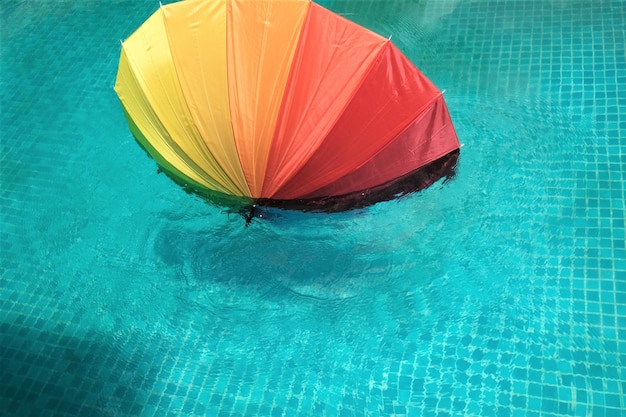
(261, 58)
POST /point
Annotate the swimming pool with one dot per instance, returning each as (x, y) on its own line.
(500, 293)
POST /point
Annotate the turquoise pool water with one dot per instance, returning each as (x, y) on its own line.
(501, 293)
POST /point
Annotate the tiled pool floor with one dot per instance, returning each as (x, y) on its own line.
(501, 293)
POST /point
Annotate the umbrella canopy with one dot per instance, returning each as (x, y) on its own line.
(277, 100)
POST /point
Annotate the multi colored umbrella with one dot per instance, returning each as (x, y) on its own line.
(279, 101)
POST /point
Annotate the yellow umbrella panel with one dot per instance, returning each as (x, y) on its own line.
(150, 90)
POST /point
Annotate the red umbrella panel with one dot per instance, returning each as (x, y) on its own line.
(281, 101)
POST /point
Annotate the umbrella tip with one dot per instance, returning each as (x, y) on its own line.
(389, 37)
